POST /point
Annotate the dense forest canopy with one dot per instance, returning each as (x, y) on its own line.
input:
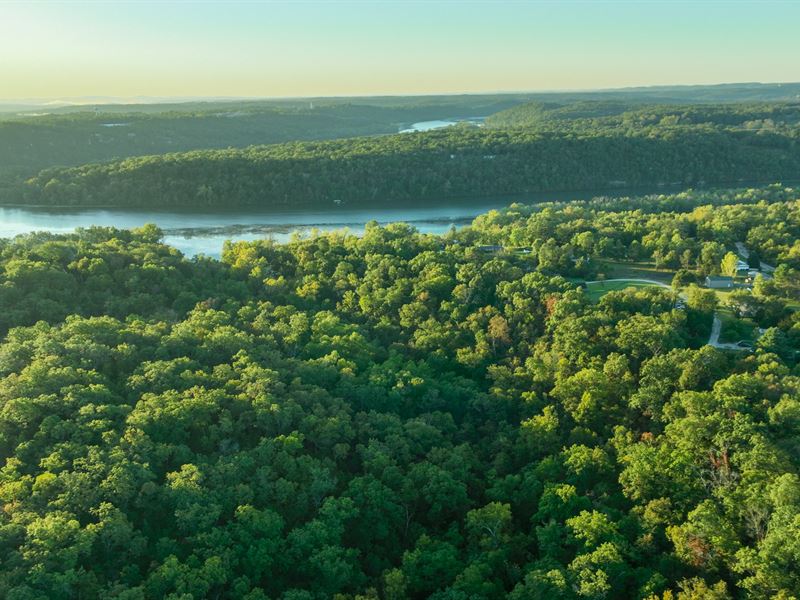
(275, 154)
(459, 161)
(405, 416)
(30, 141)
(592, 115)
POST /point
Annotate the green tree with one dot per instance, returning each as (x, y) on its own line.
(728, 265)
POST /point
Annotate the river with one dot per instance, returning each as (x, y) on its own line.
(204, 232)
(199, 232)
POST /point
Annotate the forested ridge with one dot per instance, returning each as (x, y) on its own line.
(589, 115)
(453, 163)
(254, 154)
(32, 142)
(404, 416)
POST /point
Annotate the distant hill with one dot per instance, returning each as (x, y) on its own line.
(35, 136)
(455, 162)
(223, 153)
(594, 114)
(70, 136)
(725, 92)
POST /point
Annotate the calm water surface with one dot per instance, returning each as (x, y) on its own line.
(441, 123)
(204, 232)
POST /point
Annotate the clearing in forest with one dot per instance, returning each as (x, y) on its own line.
(597, 289)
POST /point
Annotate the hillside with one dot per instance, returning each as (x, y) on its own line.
(452, 163)
(37, 136)
(30, 142)
(594, 114)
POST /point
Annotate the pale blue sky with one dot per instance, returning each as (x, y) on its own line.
(300, 48)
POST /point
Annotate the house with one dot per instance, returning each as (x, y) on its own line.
(719, 282)
(490, 248)
(742, 268)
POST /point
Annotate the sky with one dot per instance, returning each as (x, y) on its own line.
(69, 49)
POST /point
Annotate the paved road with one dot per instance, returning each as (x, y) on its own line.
(742, 250)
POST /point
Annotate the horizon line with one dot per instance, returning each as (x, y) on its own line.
(156, 99)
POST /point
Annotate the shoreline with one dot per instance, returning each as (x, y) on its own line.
(510, 198)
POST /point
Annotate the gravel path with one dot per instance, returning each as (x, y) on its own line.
(713, 339)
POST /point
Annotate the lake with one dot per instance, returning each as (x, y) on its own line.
(440, 123)
(204, 232)
(199, 232)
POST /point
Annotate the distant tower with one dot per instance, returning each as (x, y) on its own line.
(311, 105)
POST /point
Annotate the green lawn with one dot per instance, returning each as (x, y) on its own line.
(647, 270)
(597, 290)
(637, 270)
(722, 295)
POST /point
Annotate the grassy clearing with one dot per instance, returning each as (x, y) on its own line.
(722, 295)
(647, 270)
(637, 270)
(598, 289)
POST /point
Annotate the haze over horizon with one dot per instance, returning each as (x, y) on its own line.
(62, 50)
(81, 100)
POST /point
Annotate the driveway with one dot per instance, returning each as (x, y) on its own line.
(716, 327)
(713, 339)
